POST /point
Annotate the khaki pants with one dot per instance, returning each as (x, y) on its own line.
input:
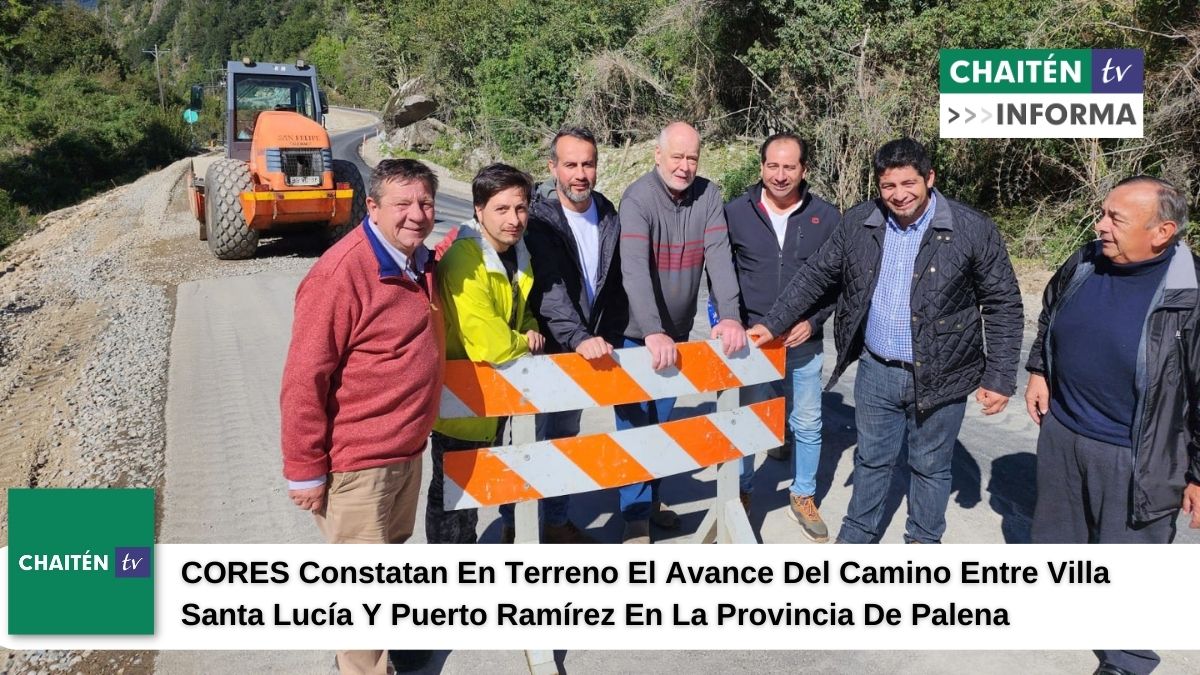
(372, 506)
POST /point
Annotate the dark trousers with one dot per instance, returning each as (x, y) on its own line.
(1084, 493)
(442, 526)
(1084, 496)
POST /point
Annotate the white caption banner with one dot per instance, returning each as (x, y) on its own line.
(1040, 116)
(1142, 604)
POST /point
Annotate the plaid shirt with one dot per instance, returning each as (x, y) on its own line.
(889, 323)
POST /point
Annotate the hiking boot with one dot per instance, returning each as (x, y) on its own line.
(745, 497)
(507, 534)
(804, 511)
(663, 517)
(636, 532)
(567, 533)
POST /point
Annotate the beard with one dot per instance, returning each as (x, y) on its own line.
(576, 197)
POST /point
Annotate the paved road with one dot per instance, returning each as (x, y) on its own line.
(451, 209)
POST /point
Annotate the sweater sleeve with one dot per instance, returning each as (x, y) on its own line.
(324, 318)
(471, 314)
(718, 260)
(635, 266)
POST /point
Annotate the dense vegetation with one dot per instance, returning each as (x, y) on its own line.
(77, 117)
(849, 75)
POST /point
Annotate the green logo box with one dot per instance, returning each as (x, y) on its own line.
(80, 561)
(1015, 71)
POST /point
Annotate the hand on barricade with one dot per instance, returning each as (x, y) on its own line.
(759, 335)
(537, 342)
(1037, 397)
(732, 335)
(798, 335)
(662, 350)
(309, 499)
(594, 348)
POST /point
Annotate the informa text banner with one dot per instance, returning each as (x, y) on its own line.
(285, 597)
(1041, 93)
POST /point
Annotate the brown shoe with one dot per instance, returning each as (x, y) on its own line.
(636, 532)
(804, 511)
(567, 533)
(745, 497)
(663, 517)
(507, 534)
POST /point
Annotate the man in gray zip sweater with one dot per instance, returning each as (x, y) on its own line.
(672, 230)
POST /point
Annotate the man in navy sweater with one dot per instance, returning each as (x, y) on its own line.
(774, 227)
(1113, 378)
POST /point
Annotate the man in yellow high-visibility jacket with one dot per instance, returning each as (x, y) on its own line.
(483, 280)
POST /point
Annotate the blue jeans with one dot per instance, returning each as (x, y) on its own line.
(549, 426)
(636, 499)
(885, 412)
(801, 389)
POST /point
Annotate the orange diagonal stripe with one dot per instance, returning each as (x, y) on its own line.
(484, 390)
(704, 369)
(702, 440)
(605, 381)
(603, 459)
(486, 478)
(776, 354)
(771, 413)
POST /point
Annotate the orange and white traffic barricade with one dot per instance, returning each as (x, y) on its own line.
(529, 470)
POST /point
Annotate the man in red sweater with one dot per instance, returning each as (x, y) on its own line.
(363, 376)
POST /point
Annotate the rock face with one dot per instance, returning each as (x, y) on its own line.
(402, 111)
(418, 136)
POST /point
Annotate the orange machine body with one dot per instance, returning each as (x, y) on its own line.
(292, 170)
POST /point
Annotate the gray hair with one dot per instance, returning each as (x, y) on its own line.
(661, 142)
(1172, 203)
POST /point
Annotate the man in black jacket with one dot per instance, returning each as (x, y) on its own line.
(1114, 376)
(577, 294)
(774, 227)
(915, 272)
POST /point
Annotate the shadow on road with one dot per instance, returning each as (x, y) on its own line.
(298, 244)
(1012, 492)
